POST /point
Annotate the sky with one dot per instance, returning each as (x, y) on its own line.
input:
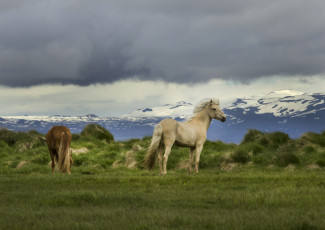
(77, 57)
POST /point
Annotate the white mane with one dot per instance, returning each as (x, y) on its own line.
(203, 103)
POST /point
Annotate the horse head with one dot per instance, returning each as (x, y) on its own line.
(215, 111)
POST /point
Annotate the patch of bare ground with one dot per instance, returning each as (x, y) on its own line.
(182, 165)
(228, 166)
(79, 151)
(22, 164)
(290, 168)
(312, 166)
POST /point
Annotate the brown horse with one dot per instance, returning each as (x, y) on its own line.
(58, 140)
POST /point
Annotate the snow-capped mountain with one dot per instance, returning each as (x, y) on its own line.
(289, 111)
(279, 103)
(282, 103)
(181, 109)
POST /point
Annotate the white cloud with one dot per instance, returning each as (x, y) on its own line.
(126, 96)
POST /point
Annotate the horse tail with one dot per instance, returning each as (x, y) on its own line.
(150, 159)
(64, 153)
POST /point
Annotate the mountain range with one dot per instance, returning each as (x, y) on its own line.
(288, 111)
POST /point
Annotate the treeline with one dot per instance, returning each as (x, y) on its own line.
(94, 150)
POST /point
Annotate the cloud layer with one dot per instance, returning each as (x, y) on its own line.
(123, 97)
(88, 42)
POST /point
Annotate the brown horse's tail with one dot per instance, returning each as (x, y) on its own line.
(64, 153)
(150, 159)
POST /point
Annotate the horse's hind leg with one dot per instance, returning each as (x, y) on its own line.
(167, 152)
(52, 159)
(190, 161)
(160, 158)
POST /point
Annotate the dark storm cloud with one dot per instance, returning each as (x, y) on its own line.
(86, 42)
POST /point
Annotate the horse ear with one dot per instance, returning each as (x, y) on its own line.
(211, 102)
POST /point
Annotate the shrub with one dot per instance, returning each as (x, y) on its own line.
(253, 148)
(309, 149)
(95, 131)
(279, 138)
(318, 139)
(264, 142)
(79, 160)
(129, 143)
(26, 139)
(8, 136)
(320, 162)
(75, 137)
(240, 156)
(285, 158)
(41, 159)
(252, 135)
(3, 145)
(259, 160)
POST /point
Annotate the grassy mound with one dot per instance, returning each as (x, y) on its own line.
(279, 149)
(95, 131)
(30, 138)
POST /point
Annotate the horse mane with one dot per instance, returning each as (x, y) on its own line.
(203, 103)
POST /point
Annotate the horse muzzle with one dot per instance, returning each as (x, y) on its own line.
(223, 119)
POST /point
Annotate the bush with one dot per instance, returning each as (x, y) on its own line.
(28, 139)
(273, 140)
(253, 148)
(252, 135)
(309, 149)
(42, 159)
(75, 137)
(286, 158)
(320, 163)
(264, 142)
(279, 138)
(129, 143)
(240, 156)
(3, 145)
(260, 160)
(9, 137)
(314, 138)
(95, 131)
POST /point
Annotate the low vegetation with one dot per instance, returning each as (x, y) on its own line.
(269, 181)
(94, 150)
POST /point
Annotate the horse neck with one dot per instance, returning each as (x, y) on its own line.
(203, 118)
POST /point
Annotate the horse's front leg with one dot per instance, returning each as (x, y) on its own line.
(190, 162)
(198, 151)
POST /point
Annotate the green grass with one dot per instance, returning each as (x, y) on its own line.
(269, 181)
(137, 199)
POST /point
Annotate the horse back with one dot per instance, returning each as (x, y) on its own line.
(53, 137)
(169, 125)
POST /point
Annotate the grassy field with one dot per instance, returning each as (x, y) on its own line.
(269, 181)
(136, 199)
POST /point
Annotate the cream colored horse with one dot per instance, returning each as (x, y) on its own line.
(191, 133)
